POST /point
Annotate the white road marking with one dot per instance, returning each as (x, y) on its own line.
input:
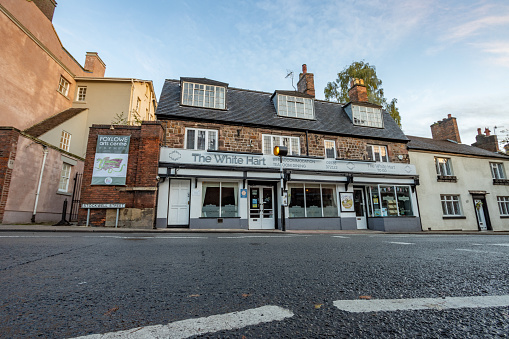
(387, 305)
(401, 243)
(340, 236)
(193, 327)
(507, 245)
(35, 236)
(259, 236)
(475, 251)
(154, 237)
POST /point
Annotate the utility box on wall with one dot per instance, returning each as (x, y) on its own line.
(139, 193)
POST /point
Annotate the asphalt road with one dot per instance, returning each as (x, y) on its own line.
(63, 285)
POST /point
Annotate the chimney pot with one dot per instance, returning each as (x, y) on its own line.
(449, 116)
(487, 131)
(479, 131)
(304, 68)
(357, 91)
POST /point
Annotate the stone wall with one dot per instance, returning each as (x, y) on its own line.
(236, 138)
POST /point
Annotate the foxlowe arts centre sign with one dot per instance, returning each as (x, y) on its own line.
(110, 163)
(193, 157)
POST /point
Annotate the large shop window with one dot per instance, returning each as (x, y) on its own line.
(203, 95)
(271, 141)
(220, 199)
(312, 201)
(201, 139)
(389, 201)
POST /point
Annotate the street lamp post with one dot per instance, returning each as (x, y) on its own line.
(282, 151)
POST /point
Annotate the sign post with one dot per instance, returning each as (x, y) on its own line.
(282, 151)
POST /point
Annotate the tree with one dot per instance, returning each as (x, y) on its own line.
(338, 89)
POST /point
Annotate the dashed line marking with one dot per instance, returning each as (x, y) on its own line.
(401, 243)
(259, 236)
(387, 305)
(193, 327)
(475, 251)
(35, 236)
(506, 245)
(340, 236)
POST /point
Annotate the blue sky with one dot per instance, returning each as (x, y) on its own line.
(435, 57)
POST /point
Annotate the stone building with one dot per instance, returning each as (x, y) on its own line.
(347, 165)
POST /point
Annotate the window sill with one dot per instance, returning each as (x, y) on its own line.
(501, 182)
(64, 193)
(454, 217)
(65, 96)
(79, 102)
(504, 217)
(446, 178)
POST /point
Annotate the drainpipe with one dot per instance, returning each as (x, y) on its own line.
(307, 144)
(45, 152)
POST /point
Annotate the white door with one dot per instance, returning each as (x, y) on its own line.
(261, 208)
(178, 209)
(479, 211)
(360, 209)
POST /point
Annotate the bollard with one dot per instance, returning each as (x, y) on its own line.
(63, 222)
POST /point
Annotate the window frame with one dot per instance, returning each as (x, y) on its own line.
(284, 102)
(65, 140)
(451, 198)
(373, 116)
(503, 205)
(333, 148)
(448, 165)
(229, 184)
(63, 86)
(196, 130)
(371, 210)
(373, 154)
(65, 176)
(190, 90)
(292, 139)
(497, 170)
(81, 93)
(321, 187)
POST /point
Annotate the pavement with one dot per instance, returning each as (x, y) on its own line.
(75, 228)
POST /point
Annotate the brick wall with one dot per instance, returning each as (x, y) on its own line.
(8, 145)
(249, 139)
(446, 129)
(140, 192)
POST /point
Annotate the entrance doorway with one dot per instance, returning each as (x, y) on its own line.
(178, 206)
(481, 213)
(360, 208)
(261, 208)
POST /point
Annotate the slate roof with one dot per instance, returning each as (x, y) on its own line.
(445, 146)
(255, 108)
(48, 124)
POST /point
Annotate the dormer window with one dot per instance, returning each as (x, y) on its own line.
(203, 95)
(294, 106)
(364, 115)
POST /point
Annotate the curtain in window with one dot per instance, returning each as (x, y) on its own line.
(329, 202)
(210, 199)
(229, 197)
(296, 203)
(313, 201)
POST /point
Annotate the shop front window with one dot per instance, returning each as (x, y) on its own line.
(219, 199)
(389, 201)
(312, 201)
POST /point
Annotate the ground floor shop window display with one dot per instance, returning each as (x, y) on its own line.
(312, 201)
(219, 199)
(389, 201)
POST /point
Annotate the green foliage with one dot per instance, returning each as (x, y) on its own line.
(337, 90)
(121, 119)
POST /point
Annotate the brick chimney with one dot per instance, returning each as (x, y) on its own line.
(446, 129)
(95, 65)
(47, 7)
(357, 91)
(486, 141)
(306, 82)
